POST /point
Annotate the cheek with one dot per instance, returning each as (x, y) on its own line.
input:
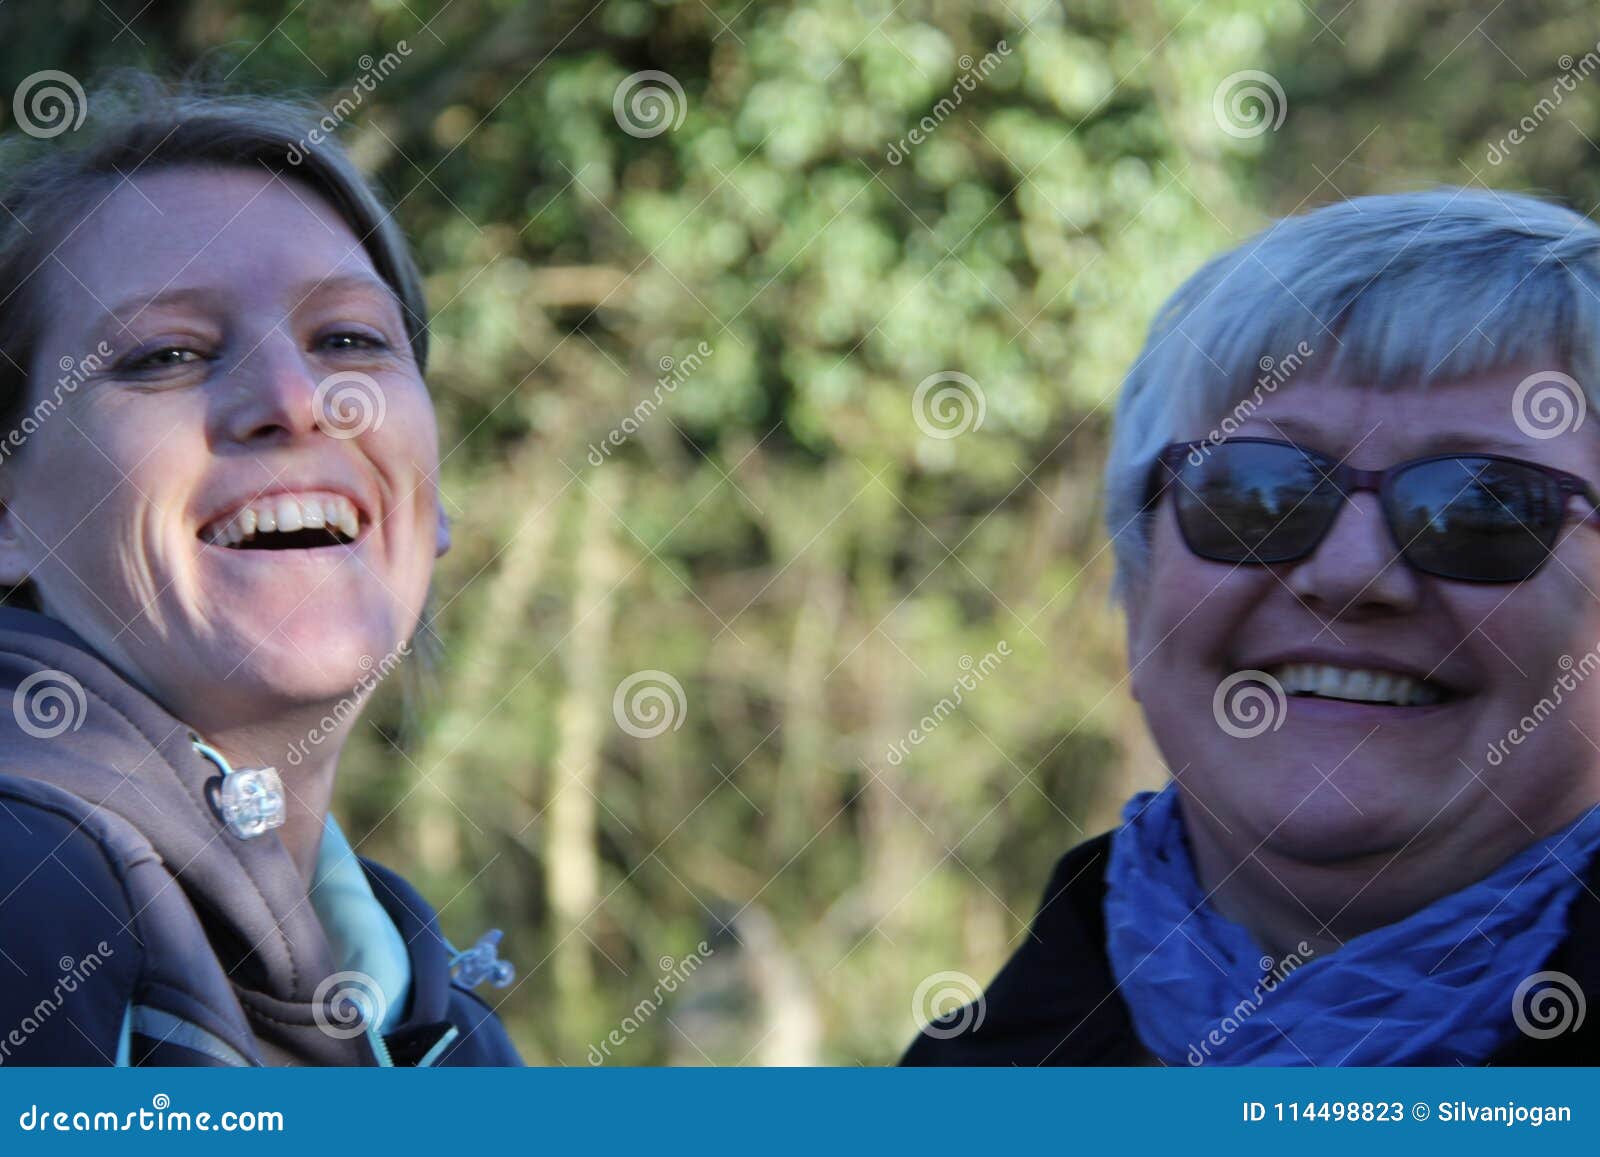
(1189, 611)
(404, 451)
(1532, 635)
(136, 463)
(81, 494)
(152, 456)
(407, 454)
(405, 446)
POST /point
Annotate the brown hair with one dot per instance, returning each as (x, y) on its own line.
(138, 124)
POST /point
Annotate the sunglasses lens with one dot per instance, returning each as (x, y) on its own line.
(1476, 519)
(1252, 502)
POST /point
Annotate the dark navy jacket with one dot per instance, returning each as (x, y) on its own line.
(136, 928)
(1056, 1001)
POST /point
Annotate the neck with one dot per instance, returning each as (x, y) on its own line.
(1294, 905)
(307, 784)
(294, 742)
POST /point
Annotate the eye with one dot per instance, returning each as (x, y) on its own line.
(344, 340)
(161, 358)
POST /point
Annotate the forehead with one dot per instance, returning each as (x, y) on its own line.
(1490, 412)
(228, 230)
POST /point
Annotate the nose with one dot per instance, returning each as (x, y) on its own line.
(1356, 570)
(272, 396)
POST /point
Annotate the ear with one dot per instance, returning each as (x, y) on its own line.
(441, 539)
(1133, 598)
(16, 544)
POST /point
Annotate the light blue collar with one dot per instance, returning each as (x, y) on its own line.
(361, 933)
(1447, 984)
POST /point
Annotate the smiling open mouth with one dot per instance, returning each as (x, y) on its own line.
(1358, 685)
(287, 522)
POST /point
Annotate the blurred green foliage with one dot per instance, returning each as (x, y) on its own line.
(782, 536)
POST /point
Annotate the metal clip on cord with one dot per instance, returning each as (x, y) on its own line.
(252, 804)
(250, 799)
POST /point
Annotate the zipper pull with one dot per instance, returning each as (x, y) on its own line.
(481, 962)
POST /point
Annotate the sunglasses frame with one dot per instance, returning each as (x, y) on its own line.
(1348, 480)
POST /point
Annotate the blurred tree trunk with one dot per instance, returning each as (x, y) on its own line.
(479, 669)
(573, 867)
(805, 725)
(790, 1026)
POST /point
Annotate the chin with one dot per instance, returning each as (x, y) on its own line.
(311, 659)
(1286, 807)
(1334, 831)
(1328, 829)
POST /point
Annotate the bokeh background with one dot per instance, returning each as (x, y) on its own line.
(775, 347)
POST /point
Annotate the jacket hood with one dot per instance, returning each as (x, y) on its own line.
(78, 724)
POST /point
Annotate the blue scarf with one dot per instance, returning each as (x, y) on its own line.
(1436, 988)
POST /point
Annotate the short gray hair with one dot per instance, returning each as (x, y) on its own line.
(1391, 290)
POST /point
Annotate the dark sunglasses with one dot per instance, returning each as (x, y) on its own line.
(1481, 518)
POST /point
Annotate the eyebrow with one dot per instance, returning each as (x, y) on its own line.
(119, 316)
(1444, 441)
(349, 282)
(115, 319)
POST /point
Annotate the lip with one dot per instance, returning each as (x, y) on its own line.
(307, 557)
(233, 505)
(1350, 712)
(1371, 660)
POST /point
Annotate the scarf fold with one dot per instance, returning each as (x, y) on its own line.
(1436, 988)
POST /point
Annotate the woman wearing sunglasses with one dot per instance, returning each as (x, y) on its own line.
(1363, 604)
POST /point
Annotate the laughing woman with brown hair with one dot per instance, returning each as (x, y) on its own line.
(219, 512)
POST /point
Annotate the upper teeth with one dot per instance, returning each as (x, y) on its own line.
(285, 512)
(1363, 685)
